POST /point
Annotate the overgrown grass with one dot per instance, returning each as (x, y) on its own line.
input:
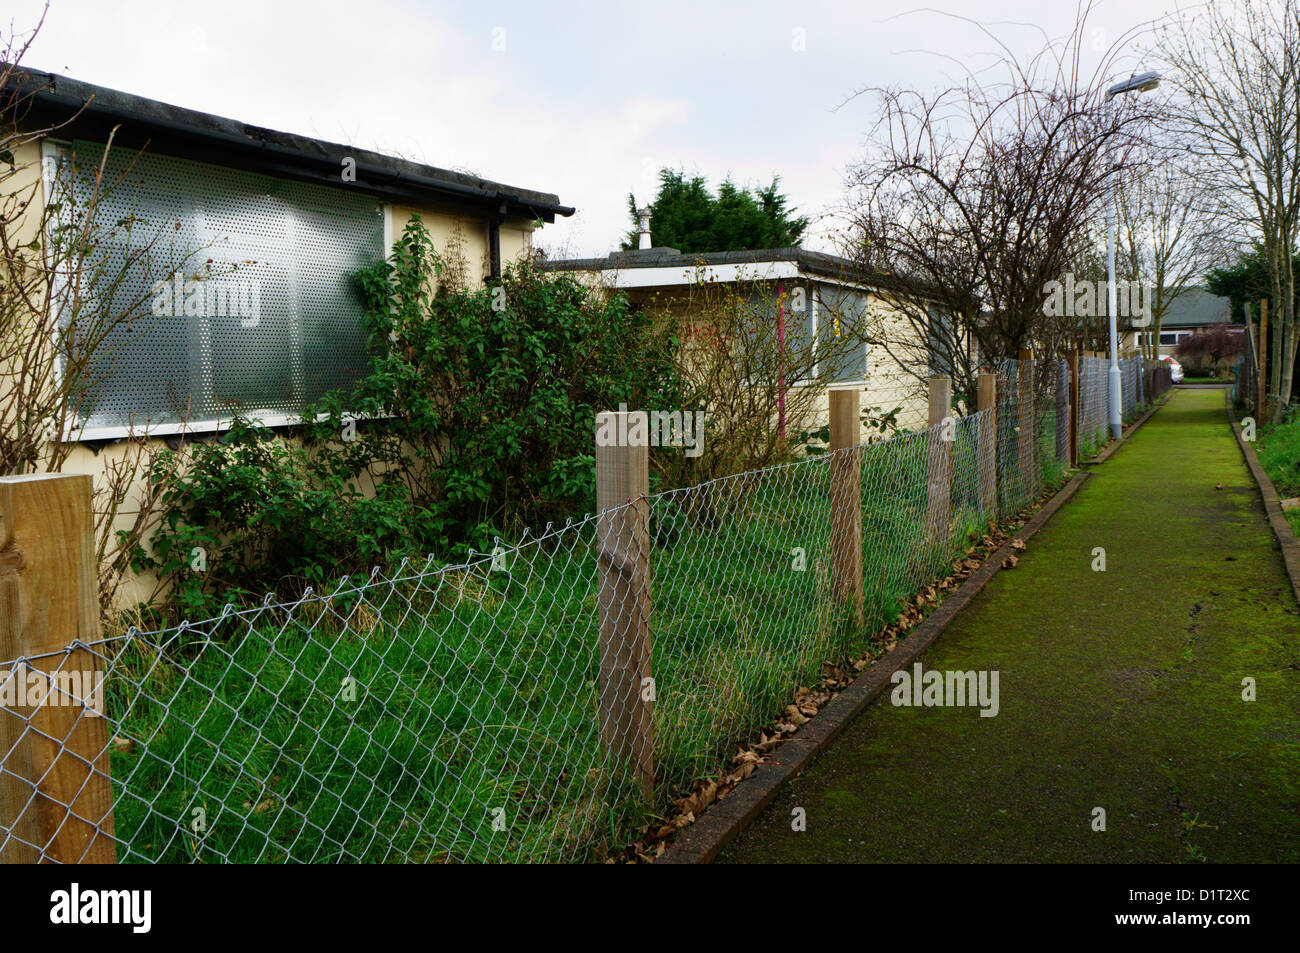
(1278, 447)
(453, 715)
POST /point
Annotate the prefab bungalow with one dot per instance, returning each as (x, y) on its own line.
(276, 224)
(807, 293)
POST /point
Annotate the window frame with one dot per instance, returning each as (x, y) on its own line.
(814, 304)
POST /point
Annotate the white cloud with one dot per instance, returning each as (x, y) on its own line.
(586, 101)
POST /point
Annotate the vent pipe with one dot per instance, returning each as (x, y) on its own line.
(643, 228)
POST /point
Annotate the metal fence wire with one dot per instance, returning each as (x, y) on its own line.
(1245, 378)
(464, 713)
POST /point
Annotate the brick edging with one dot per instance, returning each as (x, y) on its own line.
(1272, 504)
(702, 841)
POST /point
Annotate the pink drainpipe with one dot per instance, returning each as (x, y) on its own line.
(780, 344)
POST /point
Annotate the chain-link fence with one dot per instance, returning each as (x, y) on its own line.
(1094, 405)
(538, 703)
(1245, 377)
(1142, 382)
(1033, 429)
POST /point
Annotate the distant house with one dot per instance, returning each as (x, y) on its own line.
(1193, 309)
(821, 296)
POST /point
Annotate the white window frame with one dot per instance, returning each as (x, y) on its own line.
(817, 380)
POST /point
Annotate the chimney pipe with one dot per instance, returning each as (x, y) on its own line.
(643, 228)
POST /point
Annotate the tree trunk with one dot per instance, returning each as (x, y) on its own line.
(1287, 344)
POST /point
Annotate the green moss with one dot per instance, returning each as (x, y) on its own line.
(1118, 689)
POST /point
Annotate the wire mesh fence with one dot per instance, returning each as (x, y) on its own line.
(533, 704)
(1094, 404)
(1245, 378)
(1142, 382)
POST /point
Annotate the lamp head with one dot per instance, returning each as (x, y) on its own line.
(1135, 84)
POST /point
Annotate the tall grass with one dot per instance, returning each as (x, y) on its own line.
(1278, 447)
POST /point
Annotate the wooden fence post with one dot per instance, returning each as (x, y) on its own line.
(1275, 365)
(1028, 478)
(939, 483)
(1251, 398)
(1073, 359)
(988, 444)
(55, 790)
(846, 501)
(623, 602)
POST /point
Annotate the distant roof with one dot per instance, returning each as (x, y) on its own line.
(1195, 307)
(187, 133)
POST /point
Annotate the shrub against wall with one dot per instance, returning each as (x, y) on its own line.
(475, 420)
(1211, 348)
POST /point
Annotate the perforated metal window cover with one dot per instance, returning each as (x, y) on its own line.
(288, 248)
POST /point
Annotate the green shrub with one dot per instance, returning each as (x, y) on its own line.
(476, 419)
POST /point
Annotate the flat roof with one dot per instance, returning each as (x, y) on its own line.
(86, 111)
(669, 266)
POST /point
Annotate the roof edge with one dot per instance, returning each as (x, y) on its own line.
(83, 109)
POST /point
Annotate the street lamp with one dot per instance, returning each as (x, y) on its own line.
(1134, 84)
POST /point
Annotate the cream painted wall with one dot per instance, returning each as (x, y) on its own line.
(888, 385)
(447, 230)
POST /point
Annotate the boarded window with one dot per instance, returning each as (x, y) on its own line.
(262, 318)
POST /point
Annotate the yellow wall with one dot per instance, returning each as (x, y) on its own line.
(471, 233)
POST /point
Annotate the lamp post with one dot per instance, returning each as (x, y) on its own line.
(1134, 84)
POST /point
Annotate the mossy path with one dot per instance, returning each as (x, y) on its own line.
(1119, 689)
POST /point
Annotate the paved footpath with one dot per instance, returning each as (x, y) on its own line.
(1119, 689)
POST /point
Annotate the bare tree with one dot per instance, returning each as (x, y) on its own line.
(1236, 69)
(1168, 236)
(973, 199)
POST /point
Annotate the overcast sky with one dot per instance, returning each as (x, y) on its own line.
(584, 99)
